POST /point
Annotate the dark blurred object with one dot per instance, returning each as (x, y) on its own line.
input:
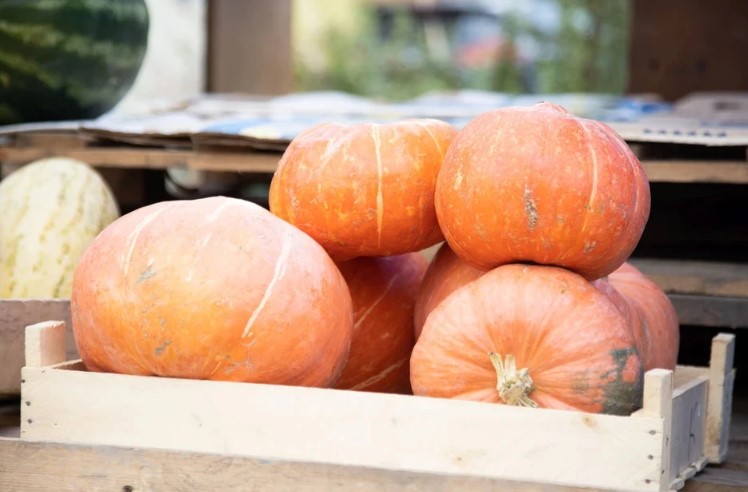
(68, 59)
(684, 46)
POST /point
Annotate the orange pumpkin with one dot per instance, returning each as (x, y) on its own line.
(537, 184)
(446, 273)
(532, 336)
(632, 315)
(660, 329)
(216, 288)
(363, 189)
(383, 292)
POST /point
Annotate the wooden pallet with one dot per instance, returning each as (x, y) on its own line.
(24, 148)
(322, 439)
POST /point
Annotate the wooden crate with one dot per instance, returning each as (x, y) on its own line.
(683, 425)
(15, 315)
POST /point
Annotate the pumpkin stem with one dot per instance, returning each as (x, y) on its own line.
(513, 386)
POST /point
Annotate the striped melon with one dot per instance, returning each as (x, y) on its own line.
(50, 210)
(68, 59)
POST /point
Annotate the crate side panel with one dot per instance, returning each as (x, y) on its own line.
(48, 467)
(343, 427)
(688, 428)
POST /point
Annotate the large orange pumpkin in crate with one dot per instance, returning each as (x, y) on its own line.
(216, 288)
(363, 189)
(537, 184)
(384, 293)
(530, 335)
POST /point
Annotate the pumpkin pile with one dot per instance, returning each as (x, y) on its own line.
(529, 300)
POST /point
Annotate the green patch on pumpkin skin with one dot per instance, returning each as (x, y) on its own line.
(148, 273)
(622, 397)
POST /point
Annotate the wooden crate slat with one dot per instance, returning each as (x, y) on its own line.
(43, 467)
(148, 158)
(710, 311)
(696, 277)
(387, 431)
(683, 171)
(669, 171)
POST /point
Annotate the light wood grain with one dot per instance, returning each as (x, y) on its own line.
(719, 405)
(658, 404)
(688, 429)
(344, 427)
(658, 447)
(46, 467)
(45, 343)
(15, 315)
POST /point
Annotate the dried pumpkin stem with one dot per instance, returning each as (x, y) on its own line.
(514, 386)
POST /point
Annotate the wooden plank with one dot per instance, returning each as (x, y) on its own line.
(719, 406)
(688, 429)
(45, 343)
(148, 158)
(249, 46)
(696, 277)
(658, 404)
(15, 315)
(344, 427)
(718, 480)
(49, 139)
(252, 161)
(728, 312)
(684, 171)
(685, 377)
(44, 467)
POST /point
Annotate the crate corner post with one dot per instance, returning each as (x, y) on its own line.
(719, 403)
(45, 343)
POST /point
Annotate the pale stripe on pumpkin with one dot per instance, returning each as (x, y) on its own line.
(280, 269)
(380, 196)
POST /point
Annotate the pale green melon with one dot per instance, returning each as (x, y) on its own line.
(50, 210)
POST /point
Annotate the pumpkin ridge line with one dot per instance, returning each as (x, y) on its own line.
(215, 213)
(135, 235)
(375, 136)
(430, 133)
(390, 284)
(593, 191)
(278, 271)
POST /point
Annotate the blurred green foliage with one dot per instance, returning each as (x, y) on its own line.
(586, 52)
